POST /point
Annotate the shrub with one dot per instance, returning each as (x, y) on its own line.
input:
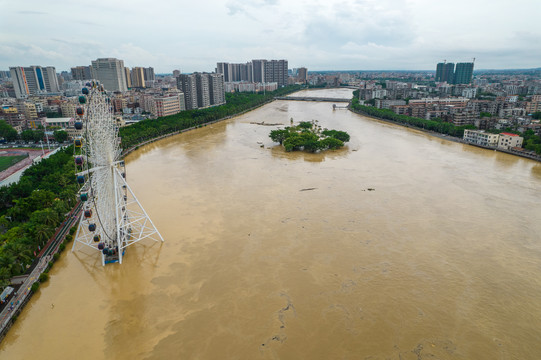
(43, 277)
(69, 238)
(34, 287)
(61, 247)
(56, 257)
(72, 231)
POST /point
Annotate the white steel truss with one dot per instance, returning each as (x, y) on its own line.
(112, 217)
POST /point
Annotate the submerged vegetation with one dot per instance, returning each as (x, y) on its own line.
(309, 136)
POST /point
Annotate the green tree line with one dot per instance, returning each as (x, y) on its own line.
(10, 134)
(32, 209)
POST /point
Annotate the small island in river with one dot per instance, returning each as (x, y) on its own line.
(309, 136)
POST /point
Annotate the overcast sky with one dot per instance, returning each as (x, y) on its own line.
(319, 34)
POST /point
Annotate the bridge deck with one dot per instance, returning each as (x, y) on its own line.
(304, 98)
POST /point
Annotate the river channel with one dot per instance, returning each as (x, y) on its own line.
(398, 246)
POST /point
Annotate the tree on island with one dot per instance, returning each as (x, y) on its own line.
(308, 136)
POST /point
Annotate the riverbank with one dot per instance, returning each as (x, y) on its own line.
(448, 137)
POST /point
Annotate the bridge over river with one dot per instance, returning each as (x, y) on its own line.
(307, 98)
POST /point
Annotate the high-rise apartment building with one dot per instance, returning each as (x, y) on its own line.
(463, 73)
(258, 71)
(111, 74)
(223, 68)
(258, 68)
(34, 80)
(276, 71)
(202, 89)
(81, 73)
(235, 72)
(187, 84)
(216, 89)
(149, 74)
(128, 76)
(445, 72)
(4, 75)
(138, 77)
(302, 74)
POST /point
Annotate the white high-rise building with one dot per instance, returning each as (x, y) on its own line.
(216, 89)
(34, 80)
(110, 73)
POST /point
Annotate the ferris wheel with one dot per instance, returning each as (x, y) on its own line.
(112, 217)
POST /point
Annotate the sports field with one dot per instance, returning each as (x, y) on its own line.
(7, 161)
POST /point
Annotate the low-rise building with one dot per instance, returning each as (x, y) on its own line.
(11, 115)
(169, 104)
(534, 105)
(480, 137)
(386, 104)
(509, 140)
(62, 123)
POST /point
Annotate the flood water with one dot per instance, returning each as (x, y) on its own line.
(399, 246)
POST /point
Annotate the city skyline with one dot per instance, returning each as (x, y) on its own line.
(350, 35)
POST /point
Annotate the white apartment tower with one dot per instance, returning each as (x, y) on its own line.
(34, 80)
(110, 73)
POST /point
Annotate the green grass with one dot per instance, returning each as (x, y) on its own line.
(8, 161)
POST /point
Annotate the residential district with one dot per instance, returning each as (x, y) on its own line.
(502, 105)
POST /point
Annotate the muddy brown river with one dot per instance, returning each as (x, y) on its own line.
(399, 246)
